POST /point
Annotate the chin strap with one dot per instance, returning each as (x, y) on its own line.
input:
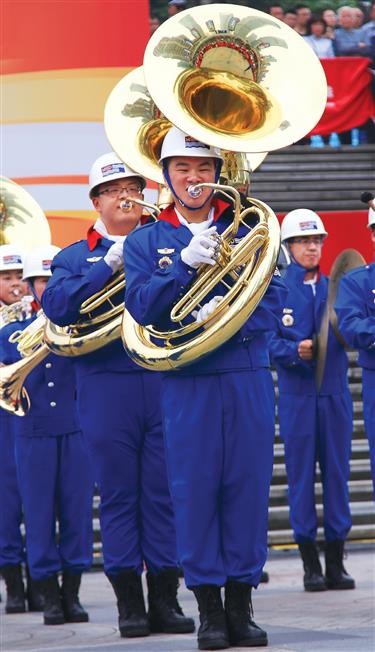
(182, 203)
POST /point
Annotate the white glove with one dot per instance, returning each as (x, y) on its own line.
(201, 249)
(206, 310)
(115, 256)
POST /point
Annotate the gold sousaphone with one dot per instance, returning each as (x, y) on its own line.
(22, 222)
(238, 79)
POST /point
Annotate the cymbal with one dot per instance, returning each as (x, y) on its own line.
(235, 77)
(347, 260)
(22, 220)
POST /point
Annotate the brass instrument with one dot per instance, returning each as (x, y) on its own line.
(245, 269)
(100, 316)
(13, 395)
(22, 221)
(238, 79)
(17, 311)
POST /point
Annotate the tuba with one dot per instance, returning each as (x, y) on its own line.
(22, 221)
(238, 79)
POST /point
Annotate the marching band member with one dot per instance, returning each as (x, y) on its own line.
(314, 425)
(53, 468)
(218, 413)
(120, 415)
(12, 290)
(355, 307)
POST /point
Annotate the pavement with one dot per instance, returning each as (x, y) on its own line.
(296, 621)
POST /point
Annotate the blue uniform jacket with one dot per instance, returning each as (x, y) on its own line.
(301, 320)
(51, 387)
(355, 307)
(153, 287)
(78, 271)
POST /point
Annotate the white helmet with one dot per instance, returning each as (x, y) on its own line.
(371, 218)
(38, 261)
(11, 257)
(301, 221)
(109, 167)
(177, 143)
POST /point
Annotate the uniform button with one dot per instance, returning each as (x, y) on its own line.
(48, 365)
(53, 404)
(51, 384)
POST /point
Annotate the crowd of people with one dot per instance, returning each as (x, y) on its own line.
(182, 460)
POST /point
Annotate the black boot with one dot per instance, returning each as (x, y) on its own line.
(243, 631)
(15, 600)
(132, 618)
(313, 579)
(213, 632)
(73, 610)
(34, 596)
(53, 612)
(336, 574)
(264, 578)
(164, 611)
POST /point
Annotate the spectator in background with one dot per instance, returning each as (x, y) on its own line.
(303, 13)
(368, 31)
(175, 6)
(359, 17)
(276, 11)
(290, 18)
(349, 42)
(330, 16)
(316, 38)
(154, 24)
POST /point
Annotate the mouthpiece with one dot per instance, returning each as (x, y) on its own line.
(194, 192)
(126, 206)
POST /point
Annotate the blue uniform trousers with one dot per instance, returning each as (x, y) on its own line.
(219, 432)
(56, 479)
(317, 428)
(11, 542)
(120, 413)
(368, 395)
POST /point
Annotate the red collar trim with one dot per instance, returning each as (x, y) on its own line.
(169, 214)
(35, 306)
(93, 237)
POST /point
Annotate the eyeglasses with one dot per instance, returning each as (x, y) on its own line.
(308, 239)
(115, 191)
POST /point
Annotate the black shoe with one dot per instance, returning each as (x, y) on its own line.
(132, 618)
(243, 631)
(337, 577)
(264, 578)
(213, 632)
(72, 608)
(53, 613)
(34, 596)
(313, 579)
(164, 613)
(15, 600)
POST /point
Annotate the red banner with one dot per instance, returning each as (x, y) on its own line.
(350, 102)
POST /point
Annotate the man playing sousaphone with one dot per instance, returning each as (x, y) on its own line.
(120, 416)
(218, 413)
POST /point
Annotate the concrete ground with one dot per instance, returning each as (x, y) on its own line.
(296, 621)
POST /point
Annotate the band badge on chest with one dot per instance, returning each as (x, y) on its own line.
(164, 262)
(287, 318)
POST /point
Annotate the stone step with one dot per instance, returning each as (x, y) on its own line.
(262, 184)
(307, 164)
(360, 490)
(362, 513)
(262, 175)
(359, 470)
(364, 532)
